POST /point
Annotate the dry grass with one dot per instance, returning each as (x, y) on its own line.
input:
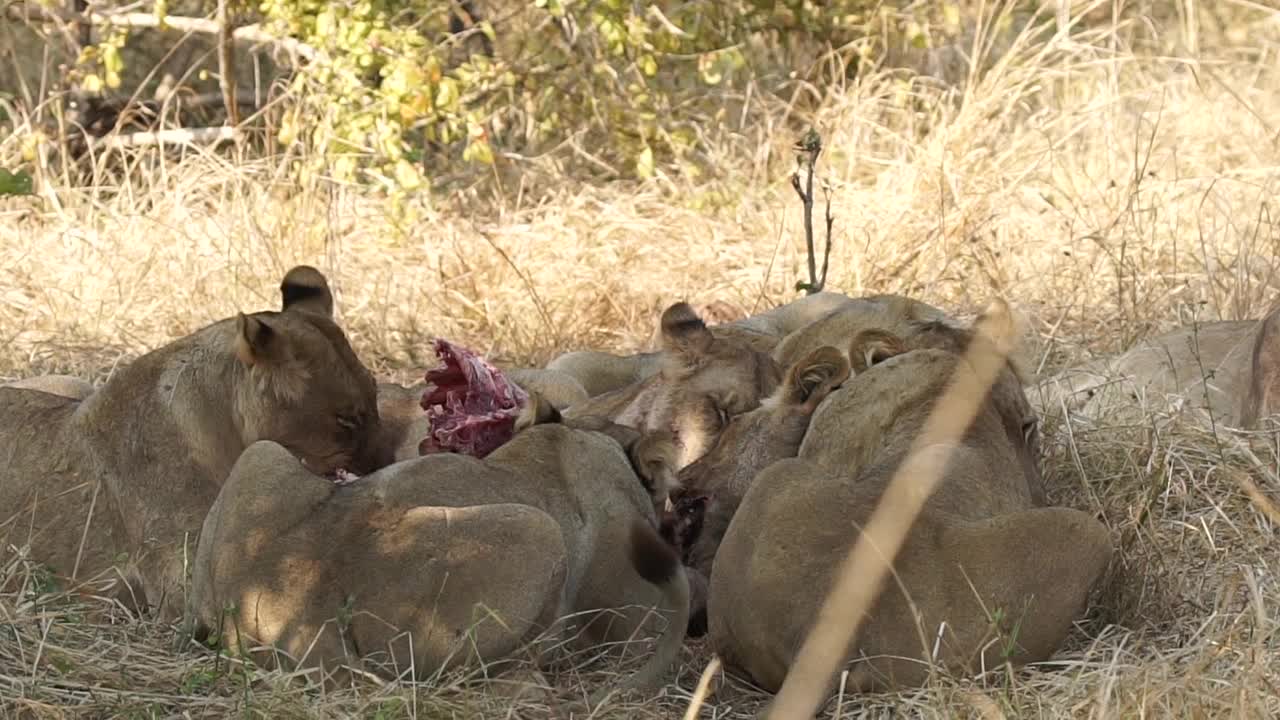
(1107, 193)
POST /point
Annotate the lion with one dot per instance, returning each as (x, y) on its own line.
(1228, 372)
(987, 575)
(115, 485)
(404, 422)
(706, 493)
(653, 454)
(894, 314)
(67, 386)
(551, 524)
(601, 372)
(560, 389)
(703, 381)
(781, 321)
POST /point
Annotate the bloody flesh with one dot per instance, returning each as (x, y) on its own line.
(471, 407)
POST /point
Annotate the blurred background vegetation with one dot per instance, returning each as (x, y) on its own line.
(407, 95)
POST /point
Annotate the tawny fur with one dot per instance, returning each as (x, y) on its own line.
(601, 372)
(1227, 372)
(986, 573)
(892, 314)
(66, 386)
(116, 485)
(753, 441)
(543, 527)
(703, 381)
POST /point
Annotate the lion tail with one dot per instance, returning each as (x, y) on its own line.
(658, 563)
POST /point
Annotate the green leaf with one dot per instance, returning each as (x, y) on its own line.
(18, 183)
(447, 94)
(407, 175)
(951, 17)
(709, 69)
(111, 59)
(478, 151)
(648, 65)
(326, 24)
(917, 35)
(644, 162)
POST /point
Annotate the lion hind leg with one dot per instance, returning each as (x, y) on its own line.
(1030, 574)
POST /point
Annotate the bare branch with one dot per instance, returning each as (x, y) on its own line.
(83, 29)
(176, 136)
(226, 63)
(826, 253)
(254, 34)
(807, 150)
(671, 27)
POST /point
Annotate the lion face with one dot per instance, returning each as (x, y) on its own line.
(715, 484)
(705, 381)
(309, 392)
(772, 431)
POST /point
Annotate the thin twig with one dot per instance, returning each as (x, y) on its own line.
(32, 12)
(524, 278)
(227, 63)
(808, 149)
(175, 136)
(826, 253)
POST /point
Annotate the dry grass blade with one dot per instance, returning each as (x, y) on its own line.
(703, 689)
(865, 568)
(1118, 191)
(1264, 504)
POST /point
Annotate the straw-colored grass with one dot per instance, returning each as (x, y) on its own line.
(1107, 193)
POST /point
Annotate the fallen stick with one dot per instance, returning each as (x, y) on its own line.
(29, 11)
(176, 136)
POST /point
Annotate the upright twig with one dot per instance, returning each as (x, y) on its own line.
(807, 150)
(226, 63)
(829, 219)
(80, 11)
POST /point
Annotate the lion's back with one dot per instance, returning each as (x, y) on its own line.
(46, 487)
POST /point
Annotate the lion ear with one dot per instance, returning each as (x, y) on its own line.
(811, 379)
(873, 346)
(684, 332)
(306, 288)
(257, 343)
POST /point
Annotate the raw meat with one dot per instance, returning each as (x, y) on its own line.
(471, 407)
